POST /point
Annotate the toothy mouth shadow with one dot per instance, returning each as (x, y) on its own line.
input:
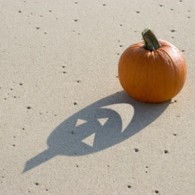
(98, 126)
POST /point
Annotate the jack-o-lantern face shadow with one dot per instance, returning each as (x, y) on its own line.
(98, 126)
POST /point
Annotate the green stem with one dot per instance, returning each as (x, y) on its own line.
(150, 40)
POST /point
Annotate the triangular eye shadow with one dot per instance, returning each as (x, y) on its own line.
(80, 122)
(89, 140)
(102, 121)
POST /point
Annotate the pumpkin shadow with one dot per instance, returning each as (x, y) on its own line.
(102, 123)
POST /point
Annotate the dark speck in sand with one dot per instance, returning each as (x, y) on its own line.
(166, 151)
(136, 149)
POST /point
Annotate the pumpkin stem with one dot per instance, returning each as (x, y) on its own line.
(150, 40)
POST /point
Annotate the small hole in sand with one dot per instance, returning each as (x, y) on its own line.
(36, 183)
(136, 149)
(166, 151)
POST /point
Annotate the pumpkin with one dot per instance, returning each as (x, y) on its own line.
(152, 70)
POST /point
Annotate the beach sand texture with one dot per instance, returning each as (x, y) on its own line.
(66, 125)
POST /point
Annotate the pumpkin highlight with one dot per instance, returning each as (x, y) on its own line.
(152, 71)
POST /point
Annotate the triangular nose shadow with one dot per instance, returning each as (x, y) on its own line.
(67, 138)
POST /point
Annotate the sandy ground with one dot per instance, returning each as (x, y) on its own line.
(66, 126)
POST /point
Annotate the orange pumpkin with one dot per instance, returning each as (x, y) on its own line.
(153, 70)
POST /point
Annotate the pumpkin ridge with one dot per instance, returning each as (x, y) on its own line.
(173, 67)
(124, 62)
